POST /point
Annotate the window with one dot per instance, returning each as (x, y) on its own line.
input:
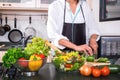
(109, 10)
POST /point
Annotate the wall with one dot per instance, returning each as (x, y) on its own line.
(39, 20)
(107, 27)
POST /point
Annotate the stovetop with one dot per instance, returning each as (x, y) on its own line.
(9, 45)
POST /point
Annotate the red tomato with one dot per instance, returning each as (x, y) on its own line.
(22, 62)
(42, 56)
(96, 72)
(68, 65)
(93, 67)
(105, 71)
(85, 70)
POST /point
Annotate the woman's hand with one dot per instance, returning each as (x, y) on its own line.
(93, 44)
(84, 48)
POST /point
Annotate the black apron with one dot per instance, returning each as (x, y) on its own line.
(76, 32)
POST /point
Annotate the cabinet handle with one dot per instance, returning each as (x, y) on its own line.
(6, 4)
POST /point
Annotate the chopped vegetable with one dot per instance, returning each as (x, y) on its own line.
(70, 61)
(103, 59)
(90, 58)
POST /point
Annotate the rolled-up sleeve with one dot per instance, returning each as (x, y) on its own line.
(55, 25)
(91, 25)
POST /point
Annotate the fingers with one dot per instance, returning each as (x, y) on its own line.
(86, 49)
(94, 46)
(89, 50)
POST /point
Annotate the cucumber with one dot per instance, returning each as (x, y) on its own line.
(114, 68)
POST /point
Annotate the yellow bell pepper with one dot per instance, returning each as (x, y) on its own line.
(35, 63)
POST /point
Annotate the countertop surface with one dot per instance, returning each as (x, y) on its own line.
(50, 73)
(65, 76)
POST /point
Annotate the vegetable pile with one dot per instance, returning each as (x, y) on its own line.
(36, 46)
(87, 70)
(100, 59)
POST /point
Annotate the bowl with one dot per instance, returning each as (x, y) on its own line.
(29, 67)
(69, 62)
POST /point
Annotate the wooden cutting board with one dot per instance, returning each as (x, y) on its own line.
(96, 63)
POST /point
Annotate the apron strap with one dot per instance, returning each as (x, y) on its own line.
(64, 12)
(82, 11)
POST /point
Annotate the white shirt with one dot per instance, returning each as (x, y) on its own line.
(56, 18)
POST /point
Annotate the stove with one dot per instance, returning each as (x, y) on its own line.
(8, 45)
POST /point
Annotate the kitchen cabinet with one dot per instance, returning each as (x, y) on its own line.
(17, 3)
(25, 4)
(43, 3)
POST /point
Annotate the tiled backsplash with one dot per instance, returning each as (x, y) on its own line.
(39, 22)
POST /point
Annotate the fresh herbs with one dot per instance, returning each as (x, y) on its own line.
(11, 56)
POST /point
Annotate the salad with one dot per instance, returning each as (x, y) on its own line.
(70, 61)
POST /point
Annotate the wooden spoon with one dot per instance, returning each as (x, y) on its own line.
(53, 47)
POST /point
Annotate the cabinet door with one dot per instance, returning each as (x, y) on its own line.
(44, 3)
(17, 3)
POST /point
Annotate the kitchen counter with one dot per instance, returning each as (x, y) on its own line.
(66, 76)
(49, 75)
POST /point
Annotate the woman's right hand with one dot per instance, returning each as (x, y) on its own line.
(84, 48)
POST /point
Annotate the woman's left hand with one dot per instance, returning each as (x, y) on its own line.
(93, 44)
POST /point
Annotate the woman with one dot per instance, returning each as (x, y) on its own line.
(71, 25)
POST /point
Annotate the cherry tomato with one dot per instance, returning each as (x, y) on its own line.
(68, 65)
(85, 70)
(105, 71)
(96, 72)
(22, 62)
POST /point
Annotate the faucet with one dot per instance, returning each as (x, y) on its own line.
(26, 40)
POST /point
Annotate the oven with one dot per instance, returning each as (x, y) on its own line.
(109, 46)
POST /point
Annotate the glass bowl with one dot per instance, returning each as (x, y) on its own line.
(69, 62)
(29, 67)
